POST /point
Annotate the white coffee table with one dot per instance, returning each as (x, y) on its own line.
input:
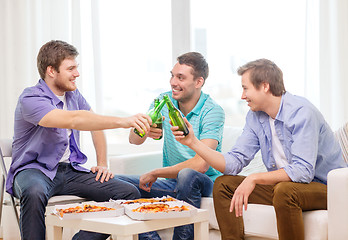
(126, 228)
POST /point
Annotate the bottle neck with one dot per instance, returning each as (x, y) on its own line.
(156, 102)
(169, 103)
(159, 106)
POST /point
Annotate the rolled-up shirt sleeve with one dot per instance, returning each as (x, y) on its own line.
(304, 147)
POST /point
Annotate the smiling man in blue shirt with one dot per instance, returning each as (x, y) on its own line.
(298, 149)
(46, 154)
(184, 174)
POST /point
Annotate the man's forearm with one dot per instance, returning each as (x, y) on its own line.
(89, 121)
(211, 156)
(172, 171)
(196, 162)
(270, 178)
(99, 142)
(80, 120)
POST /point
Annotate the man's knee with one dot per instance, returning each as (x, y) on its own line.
(226, 183)
(125, 190)
(134, 193)
(188, 180)
(35, 193)
(284, 194)
(188, 177)
(186, 174)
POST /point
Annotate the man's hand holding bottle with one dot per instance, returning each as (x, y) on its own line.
(140, 121)
(156, 131)
(156, 117)
(187, 140)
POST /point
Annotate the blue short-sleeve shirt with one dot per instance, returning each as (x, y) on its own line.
(39, 147)
(207, 119)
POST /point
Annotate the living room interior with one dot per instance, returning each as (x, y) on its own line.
(127, 49)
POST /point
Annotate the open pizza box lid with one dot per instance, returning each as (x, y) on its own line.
(116, 210)
(130, 209)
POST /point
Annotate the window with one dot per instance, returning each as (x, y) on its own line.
(231, 33)
(132, 42)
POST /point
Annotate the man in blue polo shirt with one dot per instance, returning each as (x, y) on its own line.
(184, 175)
(46, 153)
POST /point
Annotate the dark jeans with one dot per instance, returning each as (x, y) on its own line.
(289, 199)
(34, 189)
(189, 186)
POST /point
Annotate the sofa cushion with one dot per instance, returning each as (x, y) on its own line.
(230, 137)
(254, 221)
(316, 224)
(315, 221)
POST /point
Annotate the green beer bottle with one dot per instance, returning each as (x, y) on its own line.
(175, 116)
(154, 114)
(159, 120)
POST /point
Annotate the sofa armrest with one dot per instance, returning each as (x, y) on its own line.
(338, 204)
(135, 164)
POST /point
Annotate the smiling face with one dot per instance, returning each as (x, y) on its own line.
(64, 80)
(184, 86)
(256, 98)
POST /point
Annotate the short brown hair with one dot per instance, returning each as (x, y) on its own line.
(197, 62)
(264, 70)
(52, 54)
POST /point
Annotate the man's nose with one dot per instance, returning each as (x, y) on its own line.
(243, 96)
(173, 81)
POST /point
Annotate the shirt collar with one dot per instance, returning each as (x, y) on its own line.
(280, 114)
(197, 108)
(48, 92)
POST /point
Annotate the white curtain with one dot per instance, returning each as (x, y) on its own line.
(333, 61)
(24, 27)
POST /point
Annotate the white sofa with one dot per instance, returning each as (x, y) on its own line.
(259, 220)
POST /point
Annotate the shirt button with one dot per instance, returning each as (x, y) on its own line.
(65, 144)
(273, 165)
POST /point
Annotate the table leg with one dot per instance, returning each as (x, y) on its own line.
(54, 232)
(201, 230)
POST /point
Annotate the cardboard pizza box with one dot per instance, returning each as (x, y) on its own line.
(118, 210)
(130, 209)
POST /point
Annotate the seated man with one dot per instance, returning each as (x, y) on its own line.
(298, 149)
(187, 176)
(46, 153)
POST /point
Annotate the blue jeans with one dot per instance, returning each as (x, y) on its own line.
(189, 186)
(33, 188)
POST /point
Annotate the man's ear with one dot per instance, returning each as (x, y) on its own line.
(199, 82)
(50, 71)
(265, 87)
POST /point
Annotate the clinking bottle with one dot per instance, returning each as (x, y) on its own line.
(155, 114)
(175, 116)
(159, 120)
